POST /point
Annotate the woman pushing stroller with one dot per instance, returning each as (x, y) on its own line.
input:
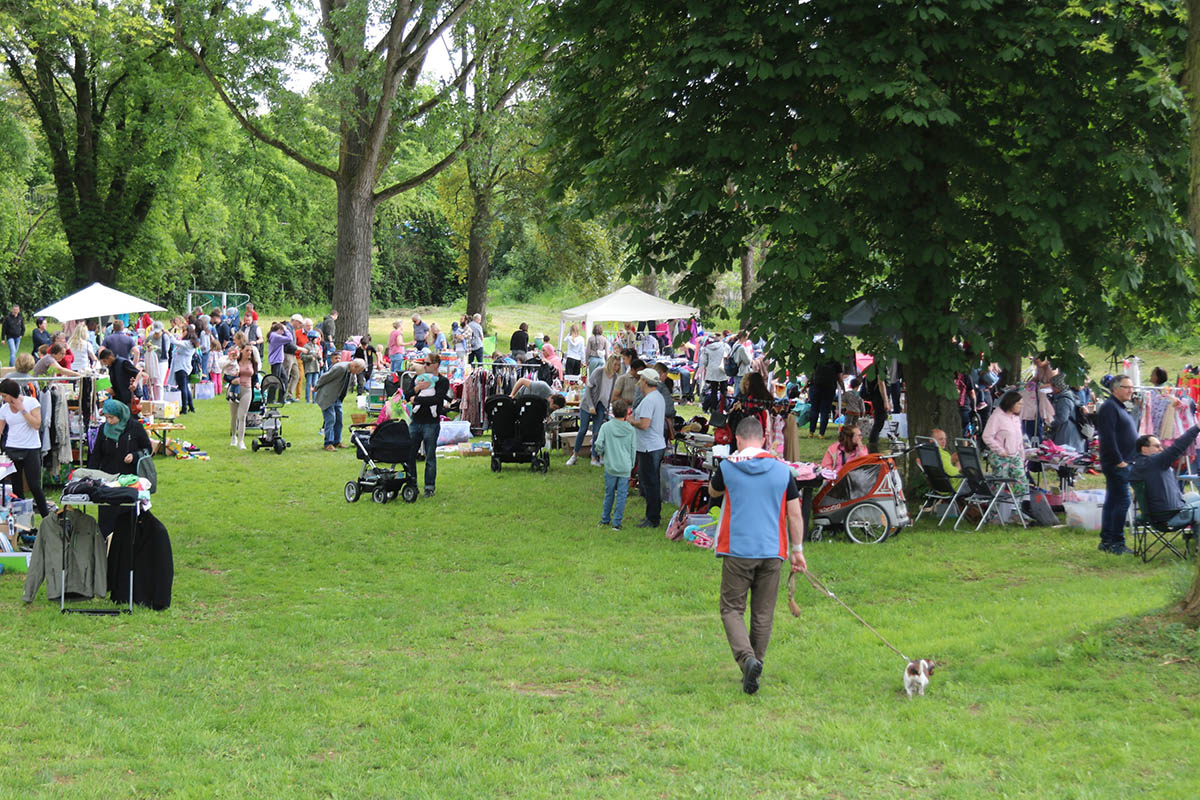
(428, 402)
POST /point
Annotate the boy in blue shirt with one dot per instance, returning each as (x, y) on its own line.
(616, 443)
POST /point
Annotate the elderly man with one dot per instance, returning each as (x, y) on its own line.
(648, 418)
(328, 395)
(1118, 438)
(475, 340)
(1153, 467)
(762, 509)
(420, 332)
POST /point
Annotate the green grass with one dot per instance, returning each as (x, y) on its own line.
(493, 642)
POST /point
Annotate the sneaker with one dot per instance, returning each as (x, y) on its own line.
(1121, 550)
(751, 669)
(603, 524)
(429, 492)
(647, 524)
(571, 460)
(597, 462)
(233, 441)
(241, 445)
(617, 527)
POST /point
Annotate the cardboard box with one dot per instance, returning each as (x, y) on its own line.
(567, 442)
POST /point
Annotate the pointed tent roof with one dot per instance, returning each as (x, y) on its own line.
(628, 304)
(97, 300)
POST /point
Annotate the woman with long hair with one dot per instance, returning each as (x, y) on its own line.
(596, 349)
(181, 367)
(593, 407)
(849, 446)
(247, 365)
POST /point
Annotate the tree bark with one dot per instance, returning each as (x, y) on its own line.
(748, 271)
(1192, 84)
(479, 252)
(352, 270)
(927, 408)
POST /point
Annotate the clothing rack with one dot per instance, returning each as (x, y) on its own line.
(84, 500)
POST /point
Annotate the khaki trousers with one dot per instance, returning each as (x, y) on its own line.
(758, 577)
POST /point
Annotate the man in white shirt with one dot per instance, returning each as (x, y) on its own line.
(648, 418)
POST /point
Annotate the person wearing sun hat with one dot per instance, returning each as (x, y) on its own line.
(648, 418)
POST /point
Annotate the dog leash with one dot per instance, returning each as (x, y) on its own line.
(822, 588)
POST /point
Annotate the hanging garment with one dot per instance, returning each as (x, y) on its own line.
(86, 564)
(153, 564)
(61, 437)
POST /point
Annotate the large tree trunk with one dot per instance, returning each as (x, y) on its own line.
(747, 276)
(927, 408)
(1192, 81)
(352, 269)
(89, 270)
(479, 253)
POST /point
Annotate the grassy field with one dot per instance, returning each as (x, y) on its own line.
(494, 642)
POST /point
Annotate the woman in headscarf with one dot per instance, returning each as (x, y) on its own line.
(119, 443)
(120, 440)
(550, 357)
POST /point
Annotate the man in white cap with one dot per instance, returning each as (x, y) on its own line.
(648, 418)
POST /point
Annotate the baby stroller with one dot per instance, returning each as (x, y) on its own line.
(263, 416)
(388, 443)
(518, 431)
(866, 499)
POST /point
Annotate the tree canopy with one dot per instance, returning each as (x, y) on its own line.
(977, 169)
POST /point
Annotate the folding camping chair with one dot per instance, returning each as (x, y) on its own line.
(1151, 538)
(941, 488)
(981, 490)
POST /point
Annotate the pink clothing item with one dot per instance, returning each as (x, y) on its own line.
(551, 358)
(395, 342)
(836, 458)
(1003, 434)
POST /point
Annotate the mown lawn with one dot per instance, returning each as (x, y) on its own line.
(494, 642)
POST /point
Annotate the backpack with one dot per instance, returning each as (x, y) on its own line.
(731, 367)
(146, 469)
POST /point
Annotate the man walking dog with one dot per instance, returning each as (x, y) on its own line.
(762, 505)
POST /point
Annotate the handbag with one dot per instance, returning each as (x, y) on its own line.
(146, 469)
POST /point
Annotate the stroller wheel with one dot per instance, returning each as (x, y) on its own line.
(352, 491)
(409, 493)
(380, 495)
(280, 446)
(545, 463)
(495, 464)
(867, 523)
(254, 445)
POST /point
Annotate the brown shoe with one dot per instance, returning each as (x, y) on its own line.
(330, 448)
(341, 446)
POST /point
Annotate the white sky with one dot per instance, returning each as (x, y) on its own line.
(438, 65)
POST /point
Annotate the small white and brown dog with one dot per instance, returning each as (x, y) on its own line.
(916, 676)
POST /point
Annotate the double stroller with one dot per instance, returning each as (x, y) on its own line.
(518, 431)
(388, 443)
(263, 417)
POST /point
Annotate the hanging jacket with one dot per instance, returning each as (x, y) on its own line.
(87, 567)
(152, 563)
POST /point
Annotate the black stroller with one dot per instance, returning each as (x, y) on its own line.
(518, 431)
(388, 443)
(263, 416)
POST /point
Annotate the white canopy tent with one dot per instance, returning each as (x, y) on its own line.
(96, 300)
(626, 304)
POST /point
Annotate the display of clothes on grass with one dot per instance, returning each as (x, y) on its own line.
(86, 559)
(477, 387)
(1153, 411)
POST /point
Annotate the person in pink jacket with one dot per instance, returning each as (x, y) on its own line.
(1004, 437)
(849, 446)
